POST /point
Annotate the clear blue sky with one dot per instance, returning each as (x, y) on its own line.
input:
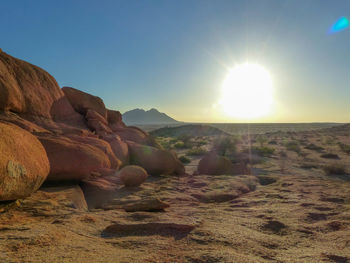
(173, 55)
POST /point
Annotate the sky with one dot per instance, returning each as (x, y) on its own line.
(175, 55)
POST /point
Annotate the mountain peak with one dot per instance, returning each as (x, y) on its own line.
(152, 116)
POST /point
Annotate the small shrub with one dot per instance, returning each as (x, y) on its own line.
(196, 151)
(225, 145)
(261, 140)
(184, 159)
(164, 143)
(201, 143)
(328, 140)
(314, 147)
(179, 145)
(187, 140)
(335, 169)
(293, 146)
(263, 151)
(345, 147)
(308, 165)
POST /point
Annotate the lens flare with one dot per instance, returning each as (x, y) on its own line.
(340, 25)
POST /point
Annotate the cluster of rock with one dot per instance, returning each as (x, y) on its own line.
(54, 134)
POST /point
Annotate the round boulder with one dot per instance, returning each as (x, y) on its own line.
(213, 164)
(24, 165)
(132, 175)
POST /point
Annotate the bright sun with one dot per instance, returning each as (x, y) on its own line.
(247, 92)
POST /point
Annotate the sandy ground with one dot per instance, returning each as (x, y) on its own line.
(295, 214)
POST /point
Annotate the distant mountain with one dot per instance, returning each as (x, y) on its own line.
(142, 117)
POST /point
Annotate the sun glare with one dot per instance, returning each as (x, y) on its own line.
(247, 92)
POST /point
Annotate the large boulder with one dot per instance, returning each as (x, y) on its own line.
(134, 134)
(213, 164)
(24, 165)
(154, 161)
(100, 144)
(13, 118)
(132, 175)
(119, 147)
(97, 123)
(29, 90)
(98, 191)
(115, 119)
(82, 101)
(72, 160)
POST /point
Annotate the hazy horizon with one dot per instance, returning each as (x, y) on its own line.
(175, 56)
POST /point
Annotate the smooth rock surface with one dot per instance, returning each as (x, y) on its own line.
(24, 165)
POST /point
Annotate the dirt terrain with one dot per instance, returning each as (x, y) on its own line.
(289, 210)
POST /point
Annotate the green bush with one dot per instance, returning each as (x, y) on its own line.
(179, 145)
(261, 139)
(196, 151)
(225, 145)
(293, 146)
(263, 151)
(164, 143)
(345, 147)
(187, 141)
(314, 147)
(184, 159)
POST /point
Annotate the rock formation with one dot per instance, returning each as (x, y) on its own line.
(79, 137)
(23, 163)
(132, 175)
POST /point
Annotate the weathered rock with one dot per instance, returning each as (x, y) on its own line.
(115, 119)
(98, 191)
(72, 160)
(154, 161)
(134, 134)
(71, 195)
(119, 148)
(100, 144)
(132, 175)
(148, 205)
(62, 111)
(24, 165)
(213, 164)
(22, 123)
(82, 101)
(93, 115)
(97, 123)
(30, 90)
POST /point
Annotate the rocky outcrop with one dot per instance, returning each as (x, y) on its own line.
(82, 101)
(97, 123)
(114, 119)
(154, 161)
(119, 148)
(98, 191)
(132, 175)
(133, 134)
(80, 137)
(104, 146)
(213, 164)
(24, 165)
(29, 90)
(72, 160)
